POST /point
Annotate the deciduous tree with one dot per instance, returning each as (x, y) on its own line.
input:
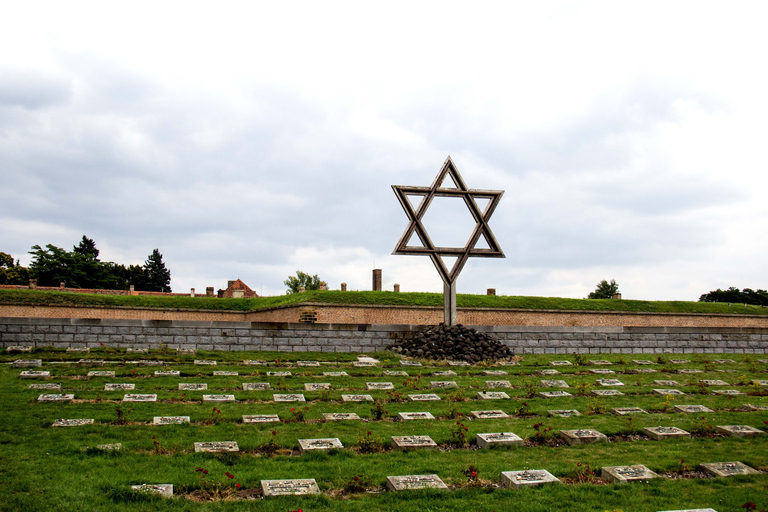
(302, 280)
(604, 290)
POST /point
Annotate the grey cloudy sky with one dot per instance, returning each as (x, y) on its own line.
(252, 139)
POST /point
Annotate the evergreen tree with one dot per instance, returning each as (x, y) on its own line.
(158, 277)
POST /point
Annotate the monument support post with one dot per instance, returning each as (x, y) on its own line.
(449, 303)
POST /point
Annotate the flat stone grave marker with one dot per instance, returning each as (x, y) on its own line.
(256, 386)
(492, 395)
(544, 373)
(560, 363)
(27, 363)
(643, 370)
(113, 447)
(753, 407)
(54, 397)
(293, 397)
(582, 436)
(764, 361)
(205, 362)
(738, 430)
(78, 349)
(186, 351)
(407, 416)
(600, 362)
(167, 373)
(261, 418)
(527, 478)
(363, 364)
(715, 382)
(18, 348)
(642, 361)
(423, 397)
(335, 374)
(410, 363)
(119, 387)
(395, 373)
(445, 373)
(659, 433)
(139, 398)
(689, 370)
(308, 363)
(32, 374)
(219, 398)
(72, 422)
(564, 413)
(495, 414)
(379, 385)
(724, 361)
(496, 373)
(101, 374)
(413, 442)
(665, 392)
(554, 394)
(91, 362)
(606, 392)
(45, 386)
(164, 490)
(626, 411)
(679, 361)
(306, 445)
(340, 416)
(367, 359)
(498, 439)
(554, 384)
(138, 350)
(760, 382)
(151, 362)
(170, 420)
(666, 383)
(192, 387)
(601, 371)
(458, 363)
(254, 362)
(609, 382)
(225, 374)
(624, 474)
(509, 363)
(279, 374)
(443, 384)
(410, 482)
(728, 468)
(317, 386)
(692, 510)
(356, 398)
(727, 392)
(295, 487)
(217, 447)
(692, 408)
(495, 384)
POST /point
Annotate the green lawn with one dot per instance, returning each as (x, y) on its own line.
(47, 468)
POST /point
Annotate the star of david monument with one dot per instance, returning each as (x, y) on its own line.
(448, 183)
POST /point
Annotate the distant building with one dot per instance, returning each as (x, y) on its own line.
(237, 290)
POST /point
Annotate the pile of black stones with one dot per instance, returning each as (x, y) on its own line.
(454, 343)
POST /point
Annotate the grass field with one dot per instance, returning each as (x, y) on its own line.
(374, 298)
(59, 468)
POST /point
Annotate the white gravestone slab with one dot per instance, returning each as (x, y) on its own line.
(564, 413)
(188, 386)
(151, 362)
(659, 433)
(643, 370)
(624, 474)
(101, 374)
(308, 363)
(356, 398)
(560, 363)
(600, 362)
(306, 445)
(410, 482)
(554, 384)
(164, 490)
(692, 510)
(252, 362)
(496, 384)
(72, 423)
(714, 382)
(738, 430)
(753, 407)
(317, 386)
(219, 398)
(626, 411)
(379, 385)
(114, 447)
(724, 361)
(498, 439)
(167, 373)
(91, 362)
(679, 361)
(492, 395)
(367, 359)
(554, 394)
(205, 362)
(669, 383)
(582, 436)
(294, 397)
(335, 374)
(527, 478)
(256, 386)
(217, 447)
(295, 487)
(443, 384)
(423, 397)
(139, 398)
(445, 373)
(340, 416)
(405, 416)
(170, 420)
(279, 374)
(55, 398)
(642, 361)
(609, 382)
(692, 408)
(494, 414)
(45, 386)
(760, 382)
(413, 443)
(601, 371)
(727, 392)
(606, 392)
(18, 348)
(119, 387)
(410, 363)
(725, 469)
(458, 363)
(363, 364)
(665, 392)
(495, 373)
(27, 363)
(78, 349)
(136, 350)
(394, 373)
(225, 374)
(32, 374)
(545, 373)
(186, 351)
(690, 370)
(261, 418)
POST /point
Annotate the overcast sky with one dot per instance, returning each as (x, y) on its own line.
(250, 140)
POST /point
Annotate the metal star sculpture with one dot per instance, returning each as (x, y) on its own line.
(436, 254)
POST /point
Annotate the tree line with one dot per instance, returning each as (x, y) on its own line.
(734, 295)
(81, 268)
